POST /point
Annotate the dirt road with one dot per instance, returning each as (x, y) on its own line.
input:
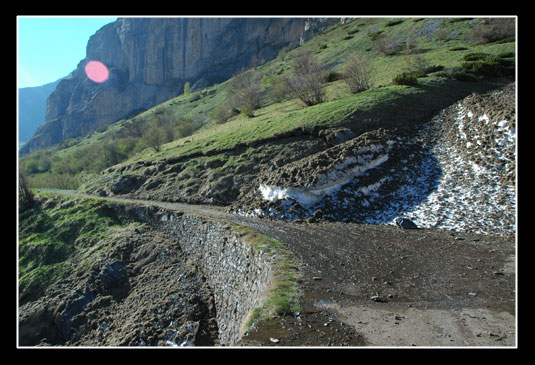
(376, 285)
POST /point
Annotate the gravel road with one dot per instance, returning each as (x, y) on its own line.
(380, 285)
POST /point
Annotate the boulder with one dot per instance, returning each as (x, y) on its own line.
(126, 184)
(405, 223)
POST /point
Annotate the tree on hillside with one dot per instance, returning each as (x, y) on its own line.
(244, 92)
(307, 78)
(186, 88)
(357, 73)
(26, 197)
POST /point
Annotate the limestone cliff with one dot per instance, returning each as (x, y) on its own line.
(150, 60)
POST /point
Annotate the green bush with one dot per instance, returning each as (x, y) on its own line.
(464, 76)
(490, 67)
(480, 65)
(478, 56)
(405, 78)
(394, 22)
(454, 49)
(333, 76)
(26, 197)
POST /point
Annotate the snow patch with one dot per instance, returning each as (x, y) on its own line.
(330, 183)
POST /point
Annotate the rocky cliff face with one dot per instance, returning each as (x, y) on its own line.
(150, 60)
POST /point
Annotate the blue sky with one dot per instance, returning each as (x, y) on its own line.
(51, 47)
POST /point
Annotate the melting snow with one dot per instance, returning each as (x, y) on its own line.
(440, 186)
(330, 183)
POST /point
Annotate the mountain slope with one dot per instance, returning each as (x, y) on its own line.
(151, 59)
(225, 163)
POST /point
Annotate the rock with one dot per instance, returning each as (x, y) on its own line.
(337, 135)
(377, 298)
(405, 223)
(126, 183)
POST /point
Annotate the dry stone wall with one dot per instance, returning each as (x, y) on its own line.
(238, 274)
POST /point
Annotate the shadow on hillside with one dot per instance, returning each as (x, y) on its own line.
(407, 111)
(405, 181)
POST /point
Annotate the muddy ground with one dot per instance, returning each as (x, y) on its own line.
(373, 285)
(383, 286)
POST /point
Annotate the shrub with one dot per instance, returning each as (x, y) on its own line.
(394, 22)
(489, 66)
(461, 75)
(333, 76)
(478, 56)
(405, 78)
(357, 74)
(244, 92)
(307, 79)
(186, 126)
(492, 30)
(387, 45)
(26, 197)
(221, 113)
(279, 89)
(454, 49)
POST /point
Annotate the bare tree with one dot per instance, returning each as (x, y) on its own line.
(357, 73)
(492, 29)
(244, 92)
(307, 79)
(387, 45)
(26, 197)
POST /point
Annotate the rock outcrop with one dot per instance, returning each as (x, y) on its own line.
(150, 60)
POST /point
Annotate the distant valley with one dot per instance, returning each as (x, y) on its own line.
(32, 109)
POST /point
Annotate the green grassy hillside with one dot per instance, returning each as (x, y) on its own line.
(213, 141)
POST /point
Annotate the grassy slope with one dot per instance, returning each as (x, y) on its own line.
(391, 103)
(58, 233)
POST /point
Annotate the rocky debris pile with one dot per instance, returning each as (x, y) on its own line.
(215, 176)
(475, 144)
(455, 172)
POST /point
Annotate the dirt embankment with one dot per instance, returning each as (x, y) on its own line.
(134, 287)
(456, 171)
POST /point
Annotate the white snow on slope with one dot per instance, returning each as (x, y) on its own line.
(331, 182)
(462, 179)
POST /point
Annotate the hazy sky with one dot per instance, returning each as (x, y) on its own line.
(51, 47)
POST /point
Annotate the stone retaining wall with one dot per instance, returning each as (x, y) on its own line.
(238, 274)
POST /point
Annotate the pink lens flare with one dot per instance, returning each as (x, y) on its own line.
(96, 71)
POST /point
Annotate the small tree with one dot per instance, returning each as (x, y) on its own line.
(221, 113)
(244, 92)
(279, 89)
(307, 79)
(26, 197)
(388, 45)
(357, 74)
(186, 88)
(153, 137)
